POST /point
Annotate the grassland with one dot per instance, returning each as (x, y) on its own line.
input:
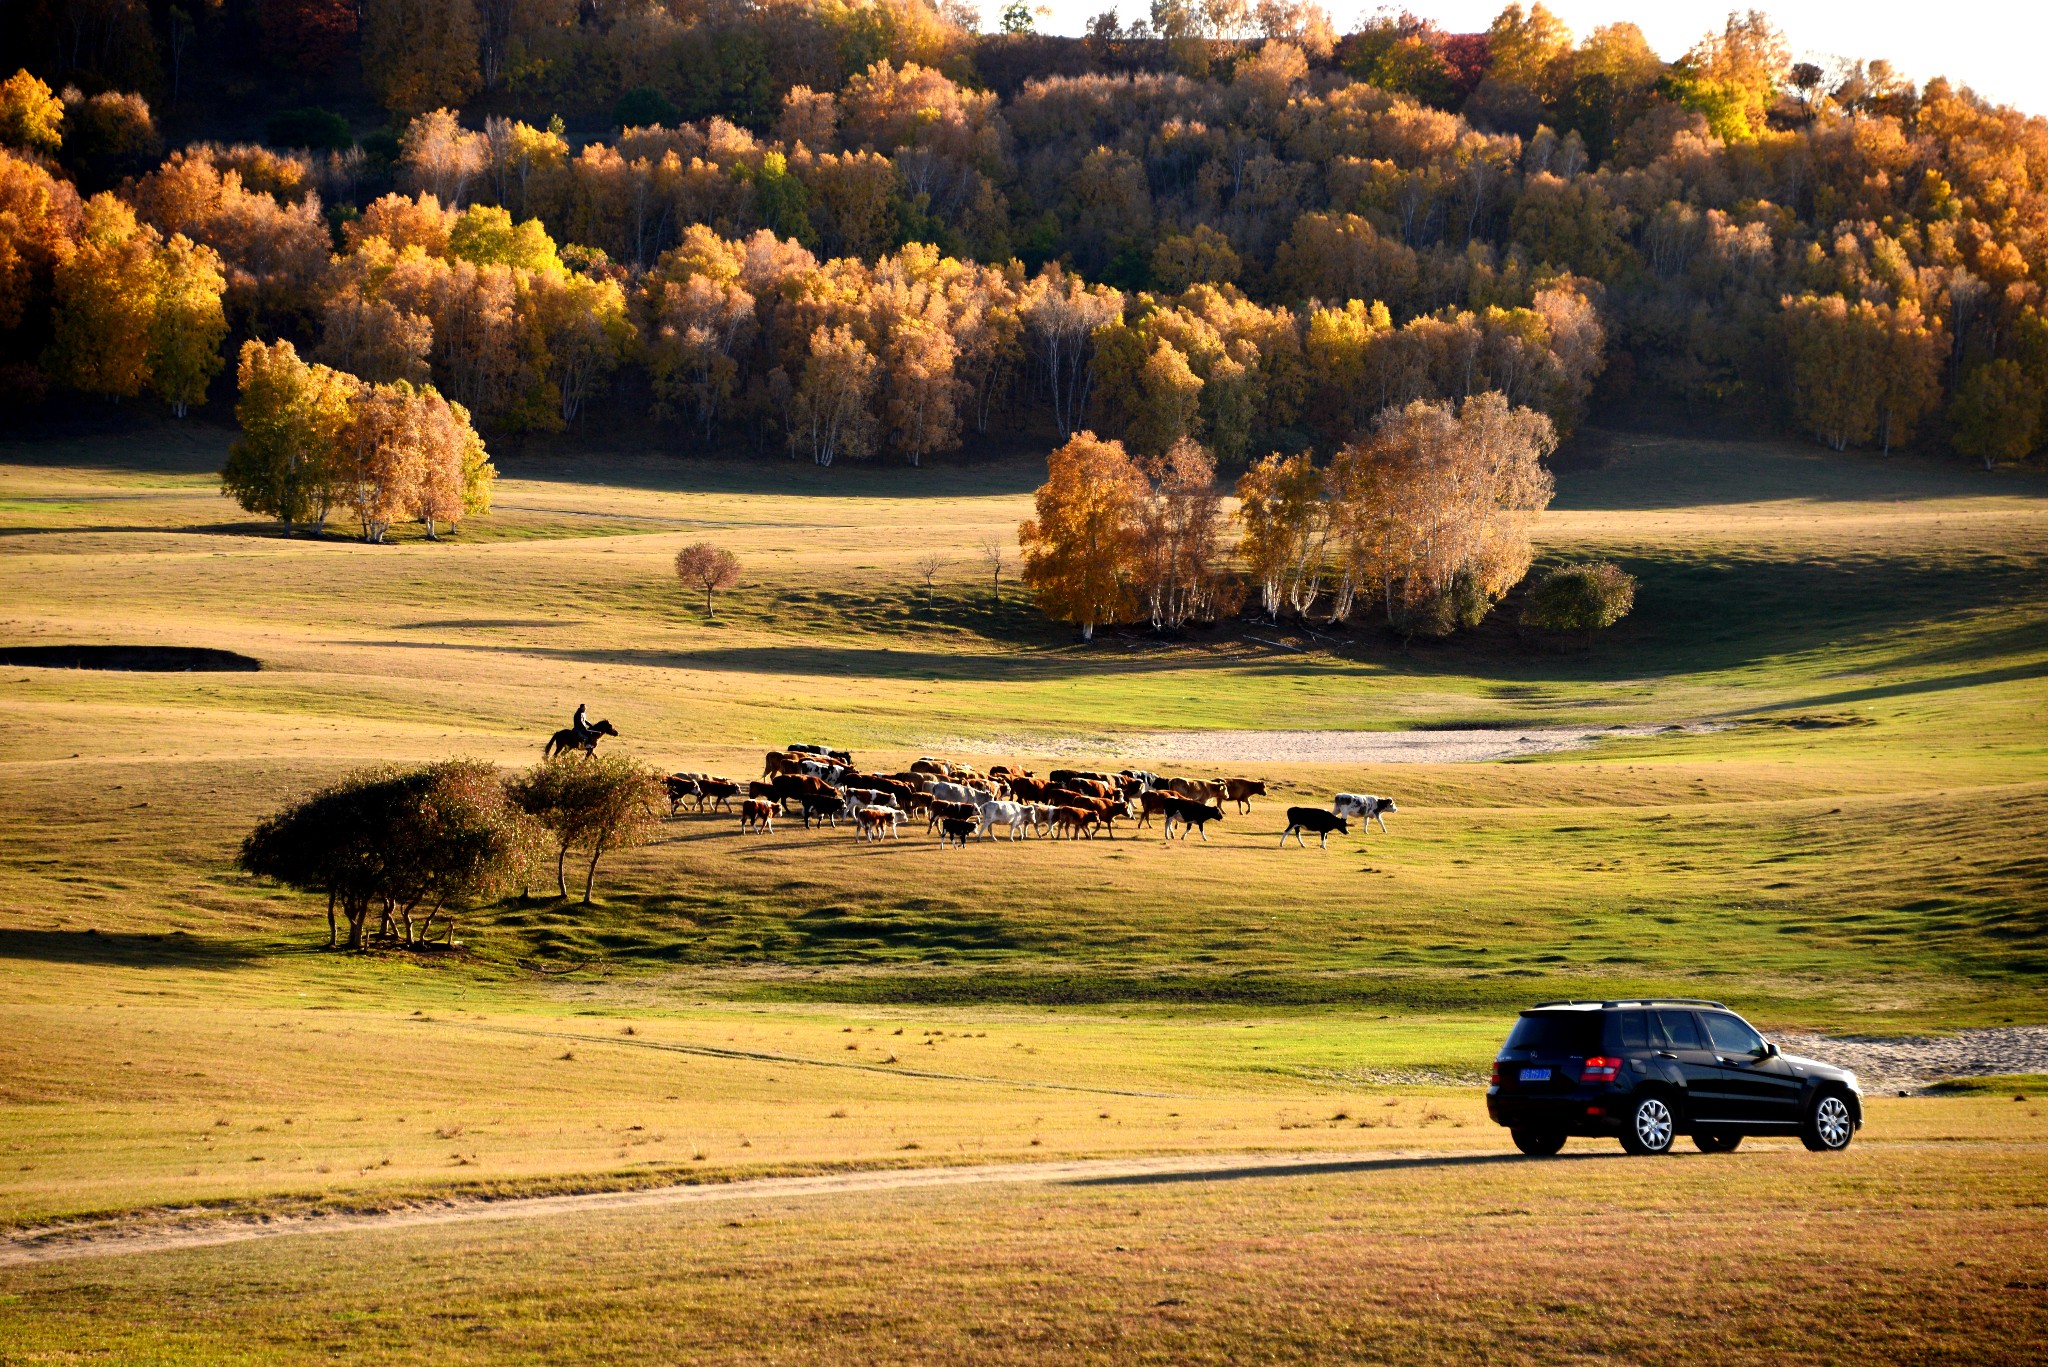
(1856, 844)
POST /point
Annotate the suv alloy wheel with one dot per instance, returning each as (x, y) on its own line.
(1651, 1126)
(1828, 1126)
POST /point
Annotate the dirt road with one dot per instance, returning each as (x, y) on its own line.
(59, 1245)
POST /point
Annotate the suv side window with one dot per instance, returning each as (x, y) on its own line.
(1634, 1033)
(1731, 1036)
(1678, 1030)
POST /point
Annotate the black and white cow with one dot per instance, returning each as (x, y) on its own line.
(1365, 807)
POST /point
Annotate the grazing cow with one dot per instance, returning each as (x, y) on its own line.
(1075, 821)
(1364, 806)
(994, 814)
(757, 814)
(1315, 819)
(875, 822)
(1068, 775)
(778, 762)
(954, 830)
(1028, 789)
(1198, 790)
(760, 788)
(1093, 787)
(1152, 802)
(874, 797)
(1189, 813)
(842, 756)
(927, 767)
(1243, 790)
(1107, 809)
(719, 792)
(680, 786)
(1038, 818)
(800, 788)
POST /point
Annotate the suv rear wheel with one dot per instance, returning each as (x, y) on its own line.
(1828, 1126)
(1537, 1143)
(1716, 1141)
(1651, 1126)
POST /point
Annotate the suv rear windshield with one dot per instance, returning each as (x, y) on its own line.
(1569, 1033)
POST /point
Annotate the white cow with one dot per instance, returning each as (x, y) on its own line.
(1364, 806)
(958, 792)
(995, 814)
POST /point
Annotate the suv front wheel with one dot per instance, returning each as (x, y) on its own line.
(1651, 1126)
(1828, 1126)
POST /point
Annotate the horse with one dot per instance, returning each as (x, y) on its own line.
(569, 738)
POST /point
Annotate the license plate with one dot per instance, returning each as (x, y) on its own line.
(1535, 1075)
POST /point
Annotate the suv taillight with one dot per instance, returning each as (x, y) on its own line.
(1600, 1069)
(1496, 1073)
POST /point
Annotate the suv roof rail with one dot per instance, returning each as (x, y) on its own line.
(1637, 1001)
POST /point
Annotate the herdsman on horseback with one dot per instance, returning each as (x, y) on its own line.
(581, 734)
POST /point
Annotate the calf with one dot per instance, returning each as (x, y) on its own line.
(757, 814)
(1038, 818)
(1315, 819)
(1189, 813)
(719, 792)
(952, 811)
(875, 822)
(954, 830)
(1243, 790)
(1364, 806)
(1075, 821)
(680, 786)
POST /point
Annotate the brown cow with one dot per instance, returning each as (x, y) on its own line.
(781, 762)
(719, 792)
(1150, 804)
(1198, 790)
(953, 811)
(875, 822)
(1243, 790)
(757, 814)
(1075, 821)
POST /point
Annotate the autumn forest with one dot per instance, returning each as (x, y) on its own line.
(1223, 237)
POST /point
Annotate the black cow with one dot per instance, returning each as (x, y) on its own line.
(954, 830)
(1315, 819)
(1190, 813)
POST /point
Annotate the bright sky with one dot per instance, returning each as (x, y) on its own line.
(1994, 46)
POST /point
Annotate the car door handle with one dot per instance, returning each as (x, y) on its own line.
(1662, 1053)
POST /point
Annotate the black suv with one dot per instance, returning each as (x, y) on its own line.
(1648, 1071)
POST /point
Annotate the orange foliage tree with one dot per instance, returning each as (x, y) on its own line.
(1080, 552)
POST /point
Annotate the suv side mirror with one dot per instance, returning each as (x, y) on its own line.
(1770, 1049)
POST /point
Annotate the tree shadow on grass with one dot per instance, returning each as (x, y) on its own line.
(126, 949)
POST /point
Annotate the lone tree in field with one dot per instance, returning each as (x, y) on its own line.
(707, 567)
(397, 842)
(992, 552)
(928, 567)
(1079, 550)
(603, 802)
(1574, 598)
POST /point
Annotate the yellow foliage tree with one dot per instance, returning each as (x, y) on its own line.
(189, 323)
(106, 302)
(1079, 552)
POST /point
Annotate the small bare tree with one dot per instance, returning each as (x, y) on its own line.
(928, 567)
(992, 551)
(707, 567)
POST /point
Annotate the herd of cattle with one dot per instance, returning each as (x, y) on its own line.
(960, 802)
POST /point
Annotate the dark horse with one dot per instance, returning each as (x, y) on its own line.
(569, 738)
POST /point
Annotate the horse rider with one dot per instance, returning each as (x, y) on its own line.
(579, 724)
